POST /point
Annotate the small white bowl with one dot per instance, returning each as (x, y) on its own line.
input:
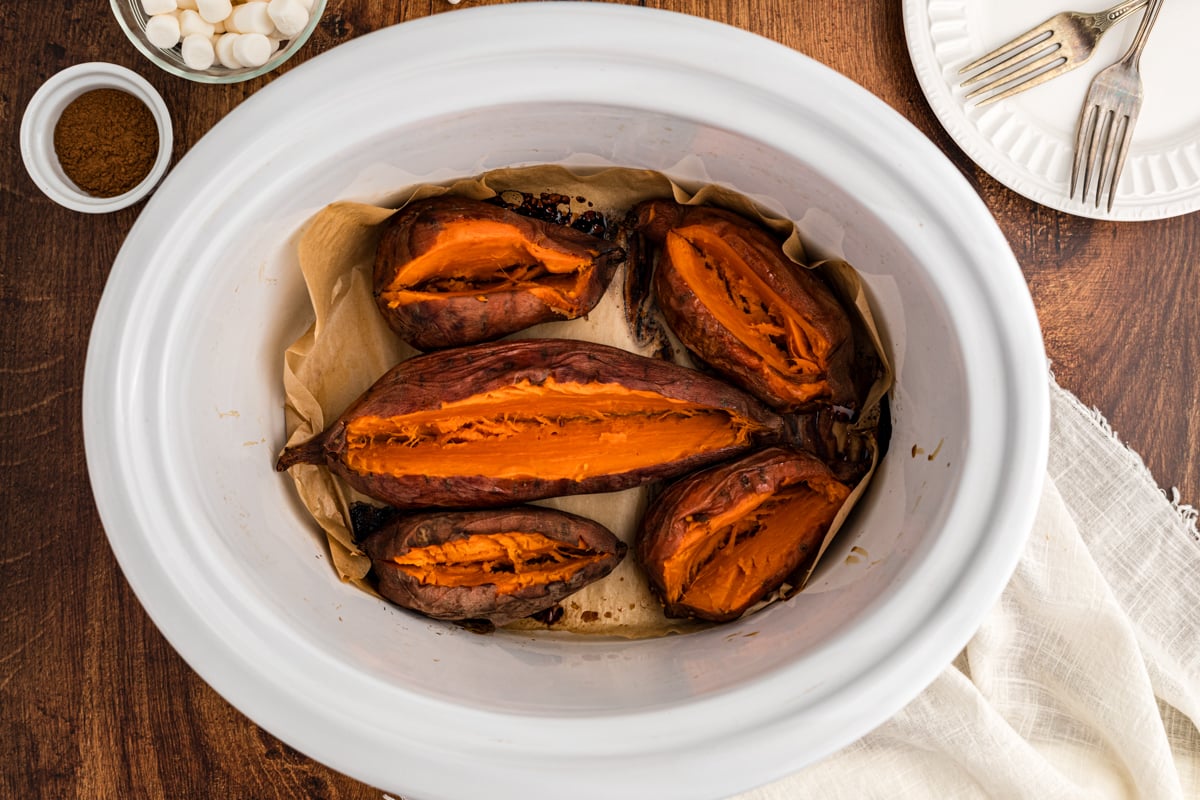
(43, 111)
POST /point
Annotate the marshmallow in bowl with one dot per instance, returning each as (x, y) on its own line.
(214, 10)
(252, 49)
(164, 30)
(190, 22)
(224, 47)
(153, 7)
(251, 18)
(198, 52)
(289, 16)
(225, 24)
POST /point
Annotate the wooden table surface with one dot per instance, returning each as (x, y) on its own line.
(95, 704)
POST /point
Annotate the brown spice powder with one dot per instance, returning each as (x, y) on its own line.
(106, 141)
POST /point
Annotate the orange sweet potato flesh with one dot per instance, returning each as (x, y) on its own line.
(498, 565)
(719, 541)
(494, 424)
(732, 297)
(508, 559)
(452, 271)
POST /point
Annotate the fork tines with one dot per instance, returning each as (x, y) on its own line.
(1097, 138)
(1032, 58)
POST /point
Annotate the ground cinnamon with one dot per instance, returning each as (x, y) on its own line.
(106, 141)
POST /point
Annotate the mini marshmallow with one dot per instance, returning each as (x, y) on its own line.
(225, 50)
(252, 49)
(154, 7)
(163, 30)
(191, 22)
(251, 18)
(198, 51)
(214, 10)
(289, 16)
(308, 4)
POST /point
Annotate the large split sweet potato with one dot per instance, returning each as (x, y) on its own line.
(720, 540)
(506, 422)
(451, 271)
(735, 300)
(498, 565)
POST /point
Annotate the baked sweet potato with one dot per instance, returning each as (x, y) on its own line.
(735, 300)
(498, 565)
(495, 424)
(452, 271)
(720, 540)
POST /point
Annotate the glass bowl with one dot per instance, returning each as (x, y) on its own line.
(132, 17)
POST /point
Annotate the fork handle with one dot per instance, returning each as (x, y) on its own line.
(1143, 33)
(1103, 20)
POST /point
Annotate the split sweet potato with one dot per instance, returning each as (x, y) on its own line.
(498, 565)
(494, 424)
(452, 271)
(720, 540)
(734, 299)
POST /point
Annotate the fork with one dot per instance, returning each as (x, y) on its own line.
(1108, 115)
(1058, 45)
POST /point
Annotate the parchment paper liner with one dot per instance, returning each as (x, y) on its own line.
(349, 346)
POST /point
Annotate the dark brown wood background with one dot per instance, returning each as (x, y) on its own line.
(95, 704)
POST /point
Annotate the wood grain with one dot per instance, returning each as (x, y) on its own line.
(95, 704)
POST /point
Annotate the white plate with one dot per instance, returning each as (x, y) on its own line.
(1027, 141)
(183, 411)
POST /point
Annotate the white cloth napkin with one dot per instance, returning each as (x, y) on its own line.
(1084, 681)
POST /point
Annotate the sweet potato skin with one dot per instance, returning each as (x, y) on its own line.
(439, 322)
(459, 603)
(713, 341)
(428, 381)
(711, 493)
